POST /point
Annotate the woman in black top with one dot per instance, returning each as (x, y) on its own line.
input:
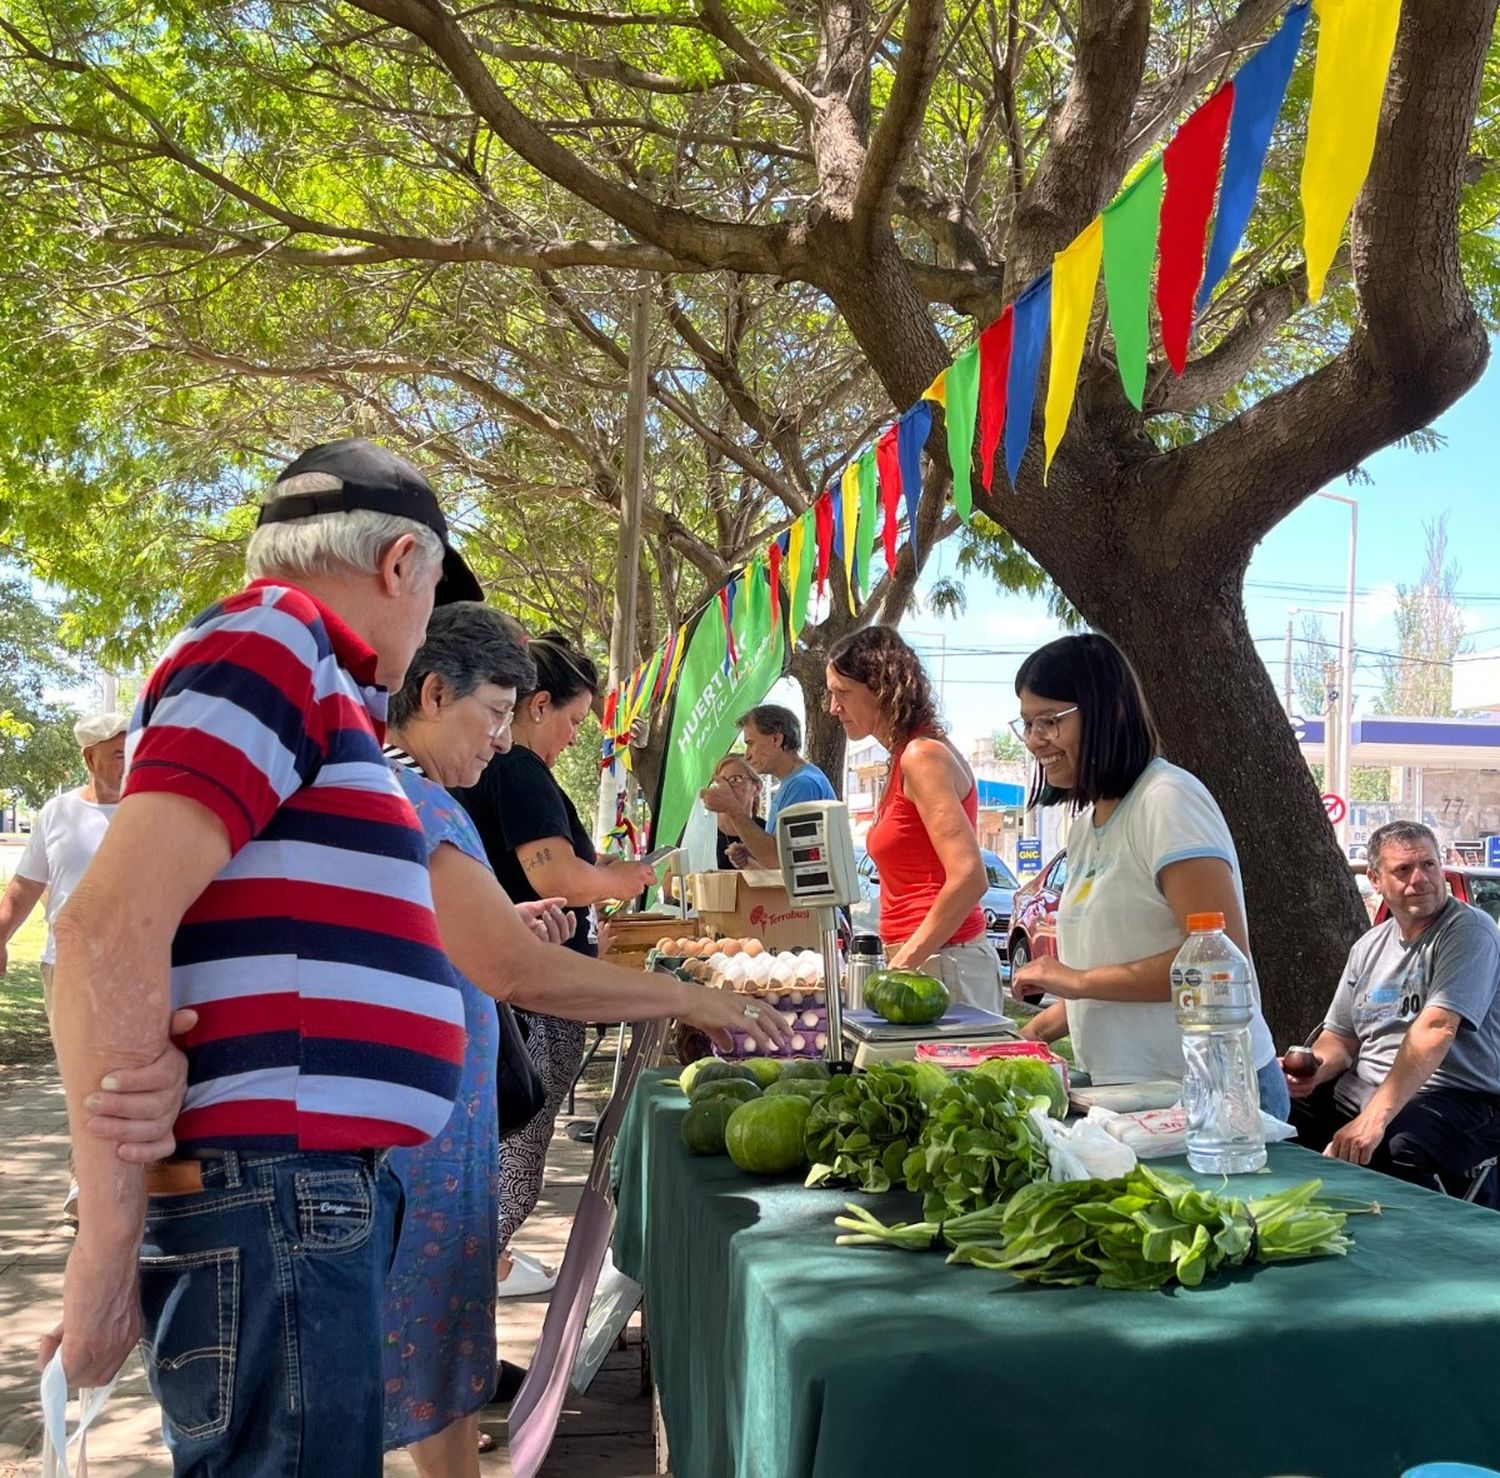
(735, 771)
(540, 848)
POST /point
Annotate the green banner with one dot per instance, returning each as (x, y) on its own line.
(708, 699)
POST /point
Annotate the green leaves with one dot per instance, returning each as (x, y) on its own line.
(977, 1146)
(1136, 1233)
(862, 1128)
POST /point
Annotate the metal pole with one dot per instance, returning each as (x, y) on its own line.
(1286, 672)
(1346, 659)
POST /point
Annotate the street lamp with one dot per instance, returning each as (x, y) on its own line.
(1335, 767)
(1346, 642)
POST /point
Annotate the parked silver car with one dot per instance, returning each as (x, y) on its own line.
(996, 902)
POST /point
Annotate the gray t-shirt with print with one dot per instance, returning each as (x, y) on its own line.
(1453, 963)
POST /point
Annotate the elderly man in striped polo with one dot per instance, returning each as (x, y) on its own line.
(265, 869)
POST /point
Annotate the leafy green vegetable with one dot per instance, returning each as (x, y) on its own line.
(1139, 1232)
(863, 1127)
(977, 1147)
(1028, 1075)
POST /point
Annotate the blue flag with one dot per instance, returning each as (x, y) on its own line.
(1259, 87)
(911, 436)
(1033, 314)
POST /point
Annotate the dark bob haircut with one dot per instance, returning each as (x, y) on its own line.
(1119, 735)
(466, 644)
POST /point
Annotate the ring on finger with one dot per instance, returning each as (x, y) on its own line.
(752, 1011)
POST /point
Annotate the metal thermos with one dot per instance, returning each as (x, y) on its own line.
(866, 956)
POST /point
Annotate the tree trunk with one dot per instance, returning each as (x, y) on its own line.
(823, 736)
(1219, 716)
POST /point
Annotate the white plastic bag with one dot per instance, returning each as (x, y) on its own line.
(55, 1439)
(1155, 1134)
(1081, 1150)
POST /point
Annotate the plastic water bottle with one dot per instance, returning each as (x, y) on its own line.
(1215, 1001)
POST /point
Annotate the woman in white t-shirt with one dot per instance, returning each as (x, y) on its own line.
(1148, 846)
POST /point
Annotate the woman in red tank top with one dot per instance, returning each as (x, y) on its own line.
(925, 838)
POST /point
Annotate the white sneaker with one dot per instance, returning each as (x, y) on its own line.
(527, 1277)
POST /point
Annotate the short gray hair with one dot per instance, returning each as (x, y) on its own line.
(327, 543)
(1403, 833)
(466, 644)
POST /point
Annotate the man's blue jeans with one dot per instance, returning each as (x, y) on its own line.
(262, 1303)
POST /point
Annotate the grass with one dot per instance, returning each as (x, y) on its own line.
(23, 1021)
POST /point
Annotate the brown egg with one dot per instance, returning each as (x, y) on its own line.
(731, 947)
(754, 947)
(665, 946)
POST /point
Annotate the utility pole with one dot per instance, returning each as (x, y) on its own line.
(1332, 757)
(622, 636)
(1286, 670)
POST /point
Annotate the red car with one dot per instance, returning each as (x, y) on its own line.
(1033, 918)
(1478, 886)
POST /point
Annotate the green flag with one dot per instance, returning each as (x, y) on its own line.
(1130, 227)
(960, 409)
(864, 542)
(710, 696)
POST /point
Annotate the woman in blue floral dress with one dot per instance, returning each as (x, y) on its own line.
(450, 717)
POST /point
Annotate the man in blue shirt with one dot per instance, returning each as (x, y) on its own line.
(773, 741)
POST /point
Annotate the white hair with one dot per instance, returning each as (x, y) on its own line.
(329, 542)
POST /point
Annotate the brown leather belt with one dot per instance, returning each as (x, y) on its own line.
(174, 1178)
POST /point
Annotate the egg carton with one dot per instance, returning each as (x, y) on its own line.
(809, 1028)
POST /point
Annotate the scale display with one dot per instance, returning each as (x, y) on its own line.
(817, 854)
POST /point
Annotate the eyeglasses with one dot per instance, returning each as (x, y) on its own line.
(1043, 727)
(500, 718)
(738, 780)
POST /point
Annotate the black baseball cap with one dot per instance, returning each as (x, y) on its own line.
(374, 478)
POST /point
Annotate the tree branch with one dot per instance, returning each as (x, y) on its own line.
(1160, 103)
(901, 122)
(713, 243)
(1084, 161)
(611, 69)
(762, 67)
(1419, 343)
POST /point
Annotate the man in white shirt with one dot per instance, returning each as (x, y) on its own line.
(65, 836)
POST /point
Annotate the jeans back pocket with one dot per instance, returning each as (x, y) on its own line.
(191, 1307)
(335, 1210)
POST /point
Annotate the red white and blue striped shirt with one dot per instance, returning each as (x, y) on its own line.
(329, 1017)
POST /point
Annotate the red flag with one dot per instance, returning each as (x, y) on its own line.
(773, 572)
(823, 516)
(994, 368)
(731, 657)
(1192, 162)
(611, 703)
(888, 473)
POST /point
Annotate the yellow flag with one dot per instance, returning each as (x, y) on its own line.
(849, 496)
(938, 390)
(1075, 274)
(792, 566)
(1355, 42)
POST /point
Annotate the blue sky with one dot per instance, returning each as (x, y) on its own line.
(1302, 562)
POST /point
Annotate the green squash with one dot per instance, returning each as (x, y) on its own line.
(765, 1070)
(704, 1123)
(804, 1067)
(710, 1069)
(906, 997)
(766, 1137)
(739, 1089)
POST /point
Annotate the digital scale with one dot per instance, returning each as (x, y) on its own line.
(817, 870)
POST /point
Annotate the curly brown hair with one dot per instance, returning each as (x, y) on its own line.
(882, 661)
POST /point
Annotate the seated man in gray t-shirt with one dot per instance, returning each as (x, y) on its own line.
(1408, 1077)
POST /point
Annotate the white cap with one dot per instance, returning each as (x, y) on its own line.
(98, 727)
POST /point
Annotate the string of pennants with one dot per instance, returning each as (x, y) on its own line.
(1156, 231)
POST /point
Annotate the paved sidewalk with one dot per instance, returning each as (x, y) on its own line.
(604, 1435)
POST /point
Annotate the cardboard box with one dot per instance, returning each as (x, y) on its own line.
(752, 905)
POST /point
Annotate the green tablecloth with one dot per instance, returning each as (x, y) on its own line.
(779, 1355)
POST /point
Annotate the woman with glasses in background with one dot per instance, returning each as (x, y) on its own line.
(735, 771)
(1147, 846)
(925, 840)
